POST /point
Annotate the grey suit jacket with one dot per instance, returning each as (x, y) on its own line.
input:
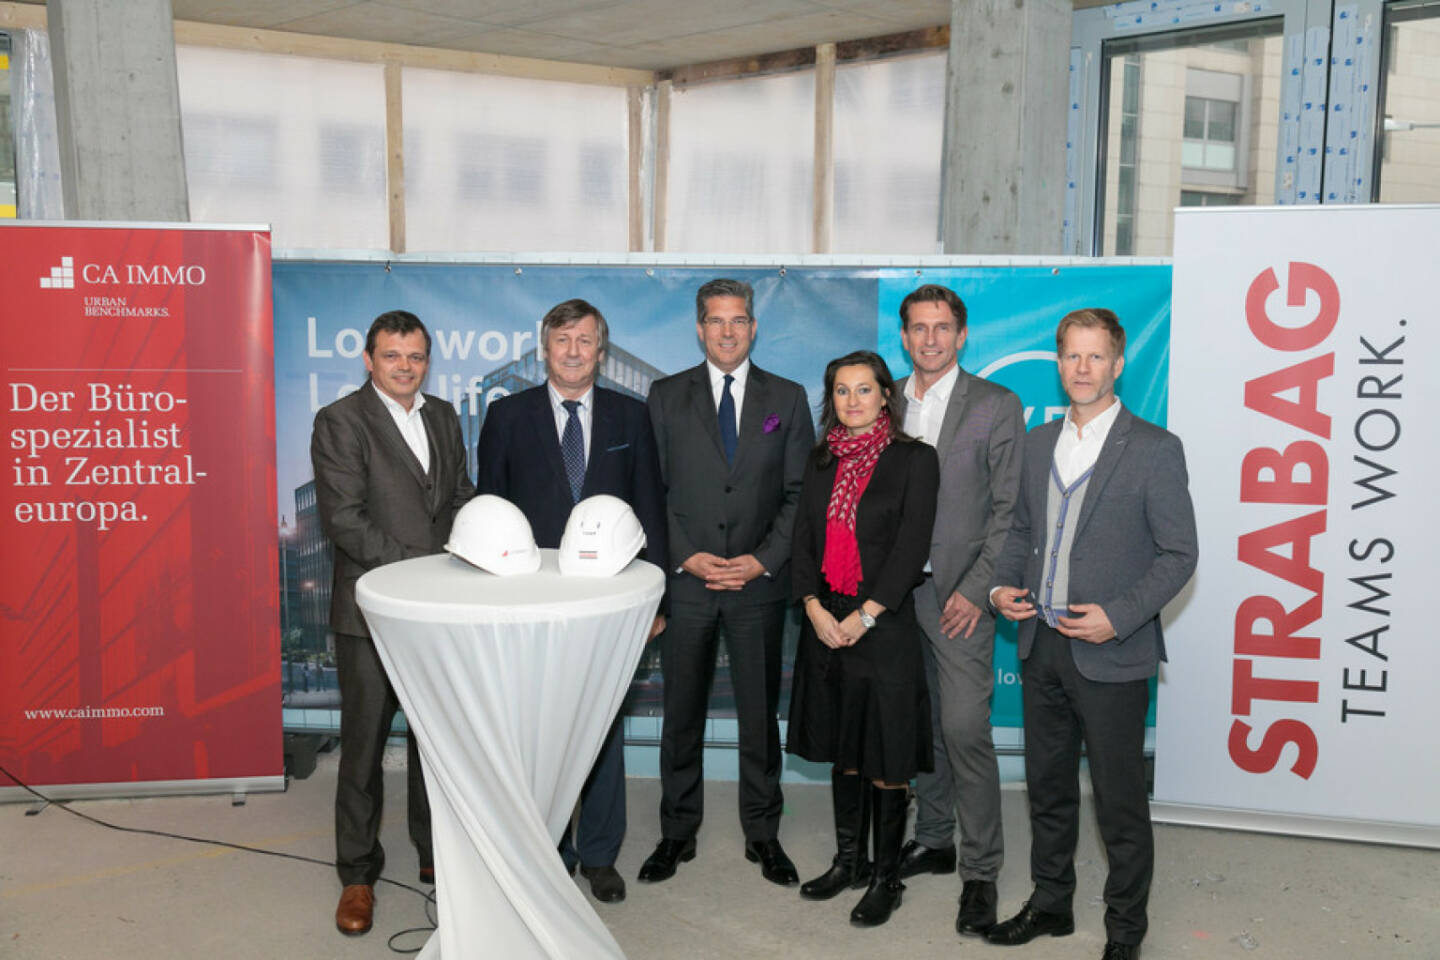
(375, 502)
(979, 449)
(1135, 545)
(731, 509)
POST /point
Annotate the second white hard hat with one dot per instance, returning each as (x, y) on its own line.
(601, 537)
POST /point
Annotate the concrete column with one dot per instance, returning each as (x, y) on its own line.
(117, 105)
(824, 215)
(1006, 90)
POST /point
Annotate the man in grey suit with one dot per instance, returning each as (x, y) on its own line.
(733, 441)
(976, 427)
(389, 475)
(1103, 537)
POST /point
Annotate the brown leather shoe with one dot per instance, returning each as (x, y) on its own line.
(356, 910)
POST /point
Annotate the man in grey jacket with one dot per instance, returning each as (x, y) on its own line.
(389, 476)
(1103, 537)
(976, 427)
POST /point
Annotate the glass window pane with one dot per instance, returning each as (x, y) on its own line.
(1408, 170)
(1222, 121)
(1206, 119)
(1194, 118)
(294, 142)
(504, 163)
(889, 125)
(741, 153)
(7, 141)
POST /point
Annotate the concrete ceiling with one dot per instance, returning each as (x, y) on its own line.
(643, 34)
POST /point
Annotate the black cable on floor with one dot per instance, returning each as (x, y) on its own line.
(429, 897)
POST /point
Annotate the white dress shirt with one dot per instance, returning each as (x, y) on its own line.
(411, 424)
(1077, 451)
(586, 413)
(737, 389)
(925, 416)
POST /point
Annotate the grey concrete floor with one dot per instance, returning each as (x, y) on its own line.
(70, 890)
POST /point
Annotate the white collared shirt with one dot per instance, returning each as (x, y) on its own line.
(1076, 452)
(737, 389)
(925, 416)
(586, 413)
(411, 425)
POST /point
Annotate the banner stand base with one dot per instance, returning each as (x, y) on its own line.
(235, 786)
(1296, 824)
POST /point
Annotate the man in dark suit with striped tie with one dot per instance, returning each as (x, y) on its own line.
(546, 449)
(733, 440)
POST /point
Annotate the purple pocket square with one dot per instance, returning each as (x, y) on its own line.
(772, 423)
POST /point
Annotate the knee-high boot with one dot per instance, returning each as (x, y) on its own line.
(850, 868)
(888, 811)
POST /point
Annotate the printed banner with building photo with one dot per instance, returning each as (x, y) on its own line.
(139, 567)
(484, 320)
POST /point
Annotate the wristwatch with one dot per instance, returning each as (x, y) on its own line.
(866, 619)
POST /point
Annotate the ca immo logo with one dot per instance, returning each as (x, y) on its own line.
(61, 277)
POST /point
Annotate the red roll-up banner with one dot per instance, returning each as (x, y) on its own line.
(139, 574)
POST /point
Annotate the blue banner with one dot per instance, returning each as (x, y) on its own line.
(484, 321)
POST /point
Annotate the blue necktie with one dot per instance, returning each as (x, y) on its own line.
(727, 420)
(572, 448)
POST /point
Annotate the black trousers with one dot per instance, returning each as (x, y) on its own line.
(1062, 709)
(367, 708)
(595, 838)
(753, 636)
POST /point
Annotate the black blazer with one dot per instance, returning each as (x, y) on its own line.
(519, 458)
(731, 509)
(893, 524)
(374, 501)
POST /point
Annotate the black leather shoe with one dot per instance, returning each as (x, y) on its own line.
(606, 885)
(1120, 951)
(1028, 924)
(977, 908)
(774, 864)
(916, 858)
(660, 865)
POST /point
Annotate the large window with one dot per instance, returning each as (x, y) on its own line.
(1191, 115)
(1408, 138)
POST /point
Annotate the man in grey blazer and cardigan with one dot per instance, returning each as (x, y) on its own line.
(1103, 537)
(976, 427)
(389, 475)
(733, 440)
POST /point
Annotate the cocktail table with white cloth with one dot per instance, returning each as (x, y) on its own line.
(510, 684)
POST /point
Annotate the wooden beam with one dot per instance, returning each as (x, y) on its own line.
(395, 154)
(635, 194)
(824, 172)
(784, 61)
(432, 58)
(660, 202)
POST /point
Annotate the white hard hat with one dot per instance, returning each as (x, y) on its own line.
(494, 535)
(601, 537)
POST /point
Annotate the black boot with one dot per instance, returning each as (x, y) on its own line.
(850, 868)
(888, 811)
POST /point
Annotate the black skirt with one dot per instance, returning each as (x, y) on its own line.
(865, 707)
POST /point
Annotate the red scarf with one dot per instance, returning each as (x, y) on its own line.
(857, 457)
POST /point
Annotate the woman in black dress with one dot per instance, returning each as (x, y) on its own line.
(862, 535)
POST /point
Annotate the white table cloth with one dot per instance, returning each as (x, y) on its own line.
(510, 684)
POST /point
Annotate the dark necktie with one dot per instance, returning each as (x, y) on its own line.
(572, 448)
(727, 420)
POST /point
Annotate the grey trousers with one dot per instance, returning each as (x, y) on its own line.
(966, 781)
